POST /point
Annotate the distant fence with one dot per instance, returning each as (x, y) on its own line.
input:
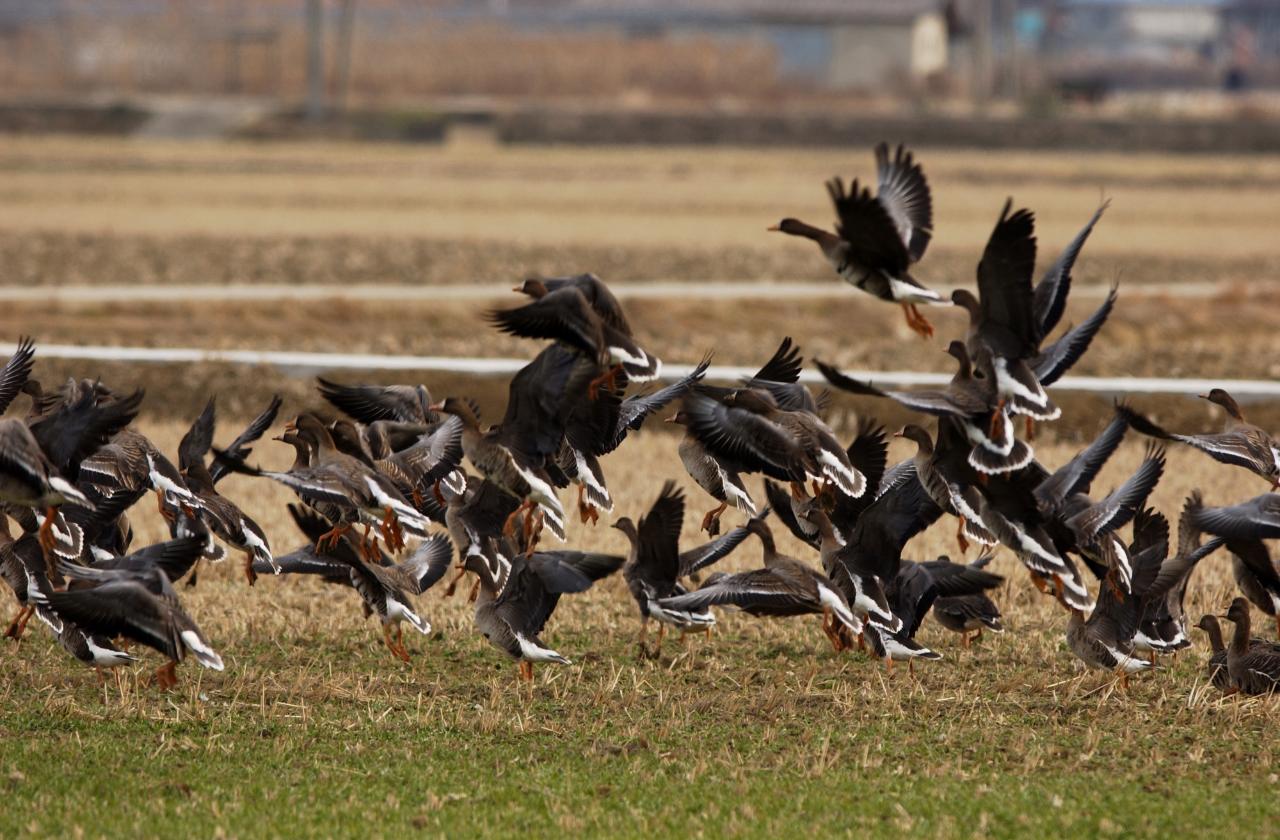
(476, 366)
(609, 127)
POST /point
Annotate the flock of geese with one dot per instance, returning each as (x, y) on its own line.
(399, 487)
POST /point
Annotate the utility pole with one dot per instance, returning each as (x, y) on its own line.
(315, 60)
(981, 52)
(342, 68)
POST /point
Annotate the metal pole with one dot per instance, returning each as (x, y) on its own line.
(981, 52)
(315, 60)
(342, 70)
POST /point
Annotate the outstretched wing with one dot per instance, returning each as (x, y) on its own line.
(904, 194)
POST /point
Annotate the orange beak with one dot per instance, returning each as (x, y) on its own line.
(773, 228)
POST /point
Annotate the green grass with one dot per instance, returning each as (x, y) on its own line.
(762, 731)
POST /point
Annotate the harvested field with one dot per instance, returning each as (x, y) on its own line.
(312, 715)
(759, 731)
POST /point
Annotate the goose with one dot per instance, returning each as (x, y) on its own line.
(519, 593)
(785, 586)
(971, 400)
(879, 237)
(222, 516)
(935, 469)
(655, 564)
(1245, 527)
(1163, 626)
(388, 591)
(973, 612)
(126, 607)
(1252, 669)
(1240, 443)
(1002, 318)
(566, 316)
(597, 427)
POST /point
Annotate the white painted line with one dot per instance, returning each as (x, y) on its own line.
(1243, 388)
(486, 291)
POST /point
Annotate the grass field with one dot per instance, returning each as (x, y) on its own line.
(313, 728)
(761, 730)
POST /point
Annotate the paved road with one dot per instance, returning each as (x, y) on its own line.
(309, 363)
(691, 290)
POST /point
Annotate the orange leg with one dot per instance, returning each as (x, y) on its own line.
(609, 378)
(961, 539)
(829, 627)
(47, 542)
(332, 536)
(453, 584)
(526, 671)
(997, 419)
(509, 527)
(19, 624)
(249, 574)
(711, 520)
(917, 322)
(1031, 428)
(475, 592)
(166, 676)
(403, 651)
(964, 639)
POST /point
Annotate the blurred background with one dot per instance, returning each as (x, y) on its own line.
(412, 68)
(367, 176)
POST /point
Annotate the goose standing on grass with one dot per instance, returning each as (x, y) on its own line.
(784, 587)
(1240, 443)
(1244, 527)
(519, 593)
(656, 564)
(974, 612)
(1216, 667)
(1105, 641)
(878, 238)
(388, 591)
(1252, 669)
